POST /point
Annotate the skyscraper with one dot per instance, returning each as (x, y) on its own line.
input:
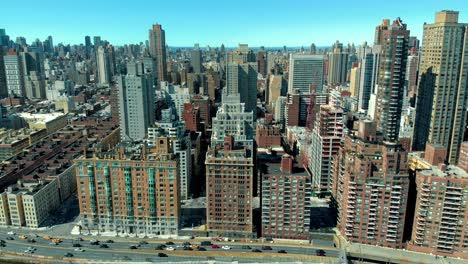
(305, 73)
(242, 80)
(136, 102)
(103, 66)
(354, 80)
(196, 59)
(33, 75)
(157, 40)
(14, 74)
(88, 45)
(369, 73)
(97, 42)
(337, 64)
(442, 94)
(391, 79)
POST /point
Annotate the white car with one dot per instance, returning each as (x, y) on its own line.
(79, 249)
(11, 233)
(170, 248)
(226, 247)
(53, 243)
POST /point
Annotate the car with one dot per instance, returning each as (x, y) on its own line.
(246, 247)
(226, 247)
(188, 248)
(320, 252)
(205, 243)
(160, 247)
(68, 255)
(143, 243)
(79, 249)
(80, 239)
(133, 247)
(201, 249)
(10, 238)
(22, 237)
(94, 240)
(266, 248)
(194, 246)
(2, 245)
(186, 243)
(169, 249)
(162, 255)
(31, 240)
(282, 251)
(215, 246)
(256, 250)
(169, 243)
(11, 233)
(53, 244)
(94, 243)
(76, 245)
(103, 246)
(109, 241)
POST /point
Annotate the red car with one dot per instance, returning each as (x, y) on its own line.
(214, 246)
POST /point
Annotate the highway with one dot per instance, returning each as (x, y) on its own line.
(120, 250)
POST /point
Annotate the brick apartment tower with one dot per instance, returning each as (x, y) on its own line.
(157, 41)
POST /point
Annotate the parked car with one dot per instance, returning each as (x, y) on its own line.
(143, 243)
(103, 246)
(282, 251)
(256, 250)
(94, 243)
(79, 249)
(133, 247)
(22, 237)
(109, 241)
(215, 246)
(194, 246)
(226, 247)
(201, 249)
(162, 255)
(320, 252)
(11, 233)
(10, 238)
(246, 247)
(186, 243)
(170, 248)
(188, 248)
(76, 245)
(53, 244)
(170, 243)
(68, 255)
(266, 248)
(31, 240)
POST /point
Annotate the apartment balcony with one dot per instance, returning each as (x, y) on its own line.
(450, 202)
(348, 234)
(424, 199)
(453, 198)
(371, 227)
(390, 240)
(424, 194)
(392, 226)
(396, 187)
(419, 232)
(394, 216)
(396, 193)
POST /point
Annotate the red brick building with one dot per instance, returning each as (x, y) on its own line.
(191, 116)
(204, 106)
(293, 108)
(267, 135)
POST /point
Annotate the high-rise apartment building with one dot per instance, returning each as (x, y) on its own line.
(33, 75)
(391, 79)
(103, 66)
(354, 80)
(133, 189)
(371, 189)
(157, 41)
(337, 64)
(262, 62)
(442, 97)
(411, 78)
(14, 74)
(229, 189)
(136, 102)
(241, 55)
(439, 225)
(286, 204)
(325, 141)
(242, 79)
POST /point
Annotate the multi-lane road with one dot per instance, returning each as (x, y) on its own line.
(120, 249)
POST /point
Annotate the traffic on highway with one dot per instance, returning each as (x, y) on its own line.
(136, 250)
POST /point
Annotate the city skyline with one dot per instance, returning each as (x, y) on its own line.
(222, 27)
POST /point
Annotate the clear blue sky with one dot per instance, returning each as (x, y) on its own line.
(255, 22)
